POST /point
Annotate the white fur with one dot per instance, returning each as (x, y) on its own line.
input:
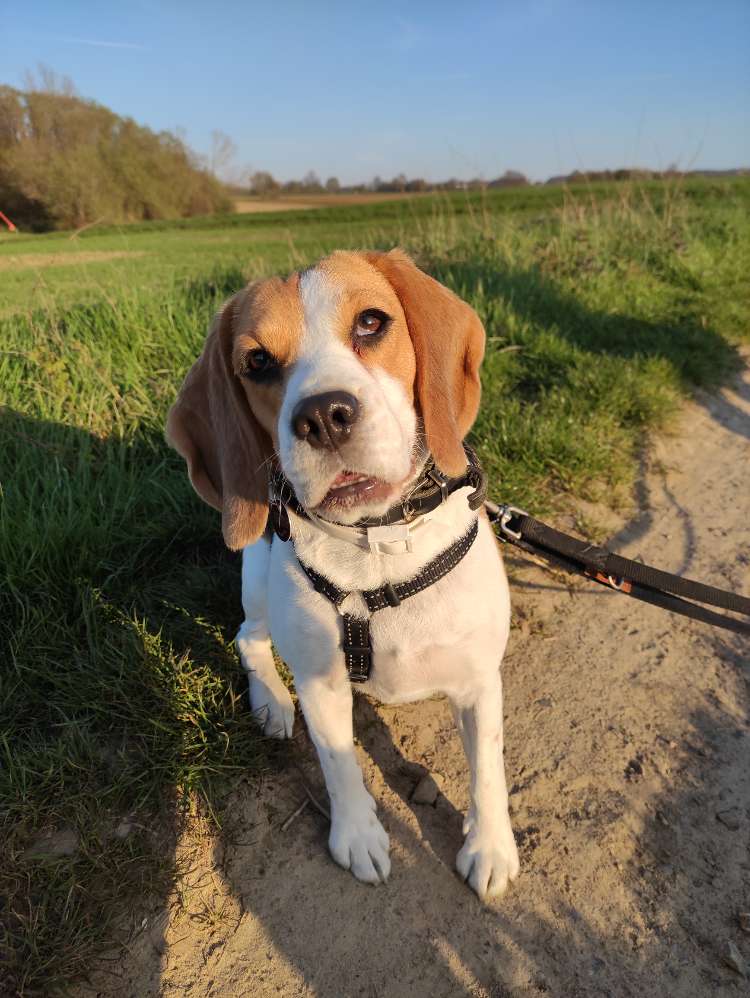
(384, 438)
(448, 639)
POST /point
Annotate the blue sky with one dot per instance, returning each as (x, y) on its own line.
(431, 89)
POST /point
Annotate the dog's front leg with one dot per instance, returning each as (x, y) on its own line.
(270, 700)
(357, 841)
(488, 859)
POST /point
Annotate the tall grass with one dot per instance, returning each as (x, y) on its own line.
(122, 703)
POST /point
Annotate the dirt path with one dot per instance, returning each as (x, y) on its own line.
(627, 735)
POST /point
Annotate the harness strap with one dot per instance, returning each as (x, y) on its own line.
(357, 643)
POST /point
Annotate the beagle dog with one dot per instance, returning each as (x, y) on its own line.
(346, 381)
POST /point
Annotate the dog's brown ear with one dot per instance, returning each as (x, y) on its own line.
(448, 342)
(212, 425)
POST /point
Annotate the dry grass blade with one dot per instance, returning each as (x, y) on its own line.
(295, 814)
(316, 803)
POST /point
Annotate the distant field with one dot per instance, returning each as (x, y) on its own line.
(122, 702)
(292, 202)
(49, 270)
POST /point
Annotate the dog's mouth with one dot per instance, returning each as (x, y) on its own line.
(351, 488)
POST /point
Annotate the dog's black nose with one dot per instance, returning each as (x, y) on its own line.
(325, 420)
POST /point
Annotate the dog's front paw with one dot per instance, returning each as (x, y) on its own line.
(273, 708)
(359, 843)
(488, 862)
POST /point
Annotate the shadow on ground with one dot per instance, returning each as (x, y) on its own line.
(305, 927)
(122, 700)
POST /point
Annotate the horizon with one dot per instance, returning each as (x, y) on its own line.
(359, 94)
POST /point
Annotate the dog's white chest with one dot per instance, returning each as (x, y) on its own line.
(433, 642)
(410, 672)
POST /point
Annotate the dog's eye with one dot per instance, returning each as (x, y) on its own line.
(259, 364)
(371, 323)
(259, 360)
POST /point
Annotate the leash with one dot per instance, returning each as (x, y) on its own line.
(633, 578)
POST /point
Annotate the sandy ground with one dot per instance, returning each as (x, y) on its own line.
(628, 758)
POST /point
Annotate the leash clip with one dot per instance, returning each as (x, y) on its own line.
(502, 515)
(617, 582)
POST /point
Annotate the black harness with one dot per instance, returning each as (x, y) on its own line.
(357, 643)
(432, 489)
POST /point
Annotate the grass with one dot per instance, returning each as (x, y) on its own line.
(66, 268)
(122, 704)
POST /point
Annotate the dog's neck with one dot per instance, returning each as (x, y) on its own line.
(387, 539)
(396, 531)
(356, 564)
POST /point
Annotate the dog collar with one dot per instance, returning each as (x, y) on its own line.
(395, 531)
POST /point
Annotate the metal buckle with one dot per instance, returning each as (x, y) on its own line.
(505, 514)
(441, 482)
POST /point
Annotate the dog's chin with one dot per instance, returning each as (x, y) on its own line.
(352, 496)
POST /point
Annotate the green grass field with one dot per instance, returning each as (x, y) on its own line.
(122, 703)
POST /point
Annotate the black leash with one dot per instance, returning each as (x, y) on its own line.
(651, 585)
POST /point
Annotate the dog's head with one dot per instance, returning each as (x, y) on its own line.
(348, 372)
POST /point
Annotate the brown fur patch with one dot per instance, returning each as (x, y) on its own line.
(361, 287)
(214, 428)
(448, 341)
(267, 315)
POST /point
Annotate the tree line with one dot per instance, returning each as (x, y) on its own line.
(264, 184)
(66, 162)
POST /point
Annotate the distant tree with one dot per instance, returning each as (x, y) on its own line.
(311, 182)
(332, 185)
(47, 81)
(417, 184)
(263, 184)
(65, 161)
(223, 151)
(511, 178)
